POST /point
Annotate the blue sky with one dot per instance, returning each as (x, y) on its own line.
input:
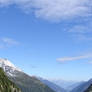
(51, 42)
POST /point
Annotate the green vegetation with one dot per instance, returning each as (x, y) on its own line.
(6, 85)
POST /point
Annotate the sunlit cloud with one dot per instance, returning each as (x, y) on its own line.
(54, 10)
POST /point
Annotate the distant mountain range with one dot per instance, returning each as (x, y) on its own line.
(67, 85)
(52, 85)
(36, 84)
(82, 87)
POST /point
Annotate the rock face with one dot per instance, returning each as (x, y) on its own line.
(6, 85)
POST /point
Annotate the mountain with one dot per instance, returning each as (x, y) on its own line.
(83, 86)
(22, 80)
(89, 89)
(6, 85)
(52, 85)
(68, 85)
(76, 84)
(8, 67)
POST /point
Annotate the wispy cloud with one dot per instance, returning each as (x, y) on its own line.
(54, 9)
(64, 59)
(82, 37)
(7, 42)
(81, 31)
(90, 62)
(82, 28)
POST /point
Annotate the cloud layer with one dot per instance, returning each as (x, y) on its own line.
(54, 9)
(74, 58)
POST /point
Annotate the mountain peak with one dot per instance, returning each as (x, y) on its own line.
(8, 67)
(4, 61)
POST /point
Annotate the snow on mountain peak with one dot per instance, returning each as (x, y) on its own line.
(6, 62)
(8, 67)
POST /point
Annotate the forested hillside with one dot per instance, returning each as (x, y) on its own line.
(6, 85)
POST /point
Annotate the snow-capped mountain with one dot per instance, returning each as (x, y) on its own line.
(24, 81)
(8, 67)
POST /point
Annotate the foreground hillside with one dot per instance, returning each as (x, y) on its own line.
(6, 85)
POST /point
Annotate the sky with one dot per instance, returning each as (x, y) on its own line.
(48, 38)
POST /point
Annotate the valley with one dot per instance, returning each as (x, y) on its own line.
(37, 84)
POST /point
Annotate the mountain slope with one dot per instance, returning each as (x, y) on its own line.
(6, 85)
(83, 86)
(25, 82)
(89, 89)
(68, 85)
(29, 84)
(52, 85)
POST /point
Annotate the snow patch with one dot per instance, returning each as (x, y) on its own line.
(8, 67)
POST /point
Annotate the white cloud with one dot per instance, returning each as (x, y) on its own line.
(7, 42)
(82, 37)
(82, 28)
(5, 2)
(74, 58)
(61, 9)
(54, 9)
(79, 29)
(81, 32)
(90, 62)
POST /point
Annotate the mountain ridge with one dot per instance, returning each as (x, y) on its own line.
(22, 80)
(33, 84)
(52, 85)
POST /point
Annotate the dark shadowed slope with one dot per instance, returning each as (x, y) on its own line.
(89, 89)
(82, 87)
